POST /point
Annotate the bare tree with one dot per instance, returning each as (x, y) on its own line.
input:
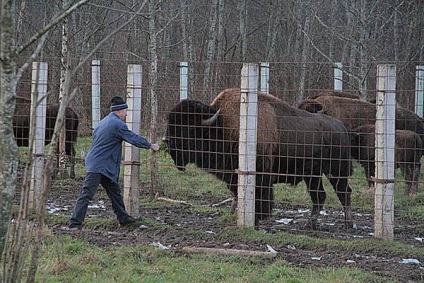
(220, 40)
(9, 154)
(187, 42)
(211, 49)
(243, 28)
(63, 70)
(153, 79)
(304, 8)
(14, 251)
(274, 25)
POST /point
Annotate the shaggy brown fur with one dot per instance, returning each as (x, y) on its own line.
(293, 146)
(267, 136)
(354, 113)
(336, 93)
(21, 127)
(407, 155)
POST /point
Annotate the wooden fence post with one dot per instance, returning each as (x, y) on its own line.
(385, 151)
(338, 76)
(264, 86)
(247, 145)
(183, 80)
(419, 90)
(95, 92)
(39, 98)
(131, 161)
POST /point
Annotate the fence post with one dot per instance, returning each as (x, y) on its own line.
(131, 161)
(183, 80)
(419, 90)
(264, 77)
(39, 98)
(95, 92)
(247, 145)
(385, 151)
(338, 76)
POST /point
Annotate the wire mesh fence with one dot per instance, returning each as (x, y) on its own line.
(315, 161)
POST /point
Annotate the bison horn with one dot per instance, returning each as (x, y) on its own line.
(211, 120)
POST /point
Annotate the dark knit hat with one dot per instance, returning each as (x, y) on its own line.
(117, 103)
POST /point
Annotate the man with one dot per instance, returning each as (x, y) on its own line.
(103, 161)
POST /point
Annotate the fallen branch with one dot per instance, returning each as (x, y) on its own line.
(222, 202)
(172, 200)
(228, 252)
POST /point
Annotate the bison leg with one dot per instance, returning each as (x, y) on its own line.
(411, 172)
(232, 181)
(317, 194)
(343, 191)
(415, 179)
(264, 197)
(370, 172)
(70, 152)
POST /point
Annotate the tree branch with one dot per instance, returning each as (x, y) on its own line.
(50, 25)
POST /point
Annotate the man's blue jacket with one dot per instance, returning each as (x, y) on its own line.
(105, 153)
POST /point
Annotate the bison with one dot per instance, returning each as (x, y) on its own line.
(21, 127)
(354, 113)
(407, 154)
(336, 93)
(292, 146)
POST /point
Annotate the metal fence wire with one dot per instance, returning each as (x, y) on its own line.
(316, 151)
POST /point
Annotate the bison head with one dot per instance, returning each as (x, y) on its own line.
(362, 143)
(192, 132)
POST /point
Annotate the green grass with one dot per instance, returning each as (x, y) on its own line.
(68, 260)
(194, 185)
(64, 259)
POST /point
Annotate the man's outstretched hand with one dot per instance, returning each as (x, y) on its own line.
(154, 147)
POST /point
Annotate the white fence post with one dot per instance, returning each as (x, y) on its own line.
(39, 88)
(183, 80)
(264, 87)
(338, 76)
(95, 92)
(131, 161)
(385, 151)
(247, 145)
(419, 90)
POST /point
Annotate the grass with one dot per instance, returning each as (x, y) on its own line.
(64, 259)
(67, 260)
(194, 183)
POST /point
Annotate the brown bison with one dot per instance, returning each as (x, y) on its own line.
(354, 113)
(407, 154)
(292, 146)
(21, 125)
(336, 93)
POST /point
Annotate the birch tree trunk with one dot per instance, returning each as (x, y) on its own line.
(187, 43)
(211, 49)
(61, 154)
(220, 40)
(243, 29)
(9, 153)
(332, 25)
(153, 80)
(305, 56)
(273, 29)
(363, 50)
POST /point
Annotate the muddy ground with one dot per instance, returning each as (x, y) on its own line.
(62, 197)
